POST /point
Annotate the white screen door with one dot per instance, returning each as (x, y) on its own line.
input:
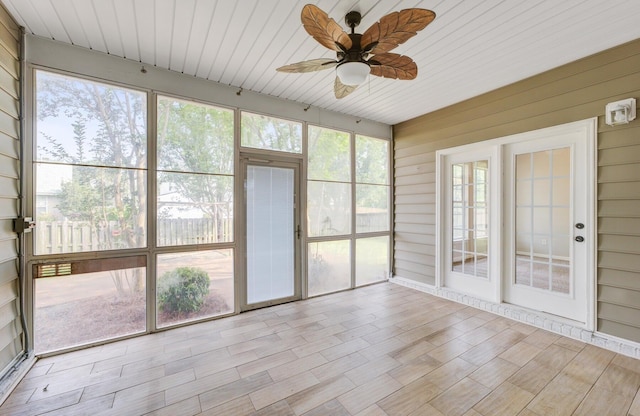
(271, 233)
(548, 226)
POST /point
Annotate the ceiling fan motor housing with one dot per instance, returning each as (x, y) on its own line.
(355, 53)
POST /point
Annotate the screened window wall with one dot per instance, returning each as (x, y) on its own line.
(347, 210)
(90, 169)
(92, 191)
(142, 225)
(194, 197)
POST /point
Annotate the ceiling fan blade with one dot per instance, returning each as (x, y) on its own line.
(395, 29)
(309, 66)
(342, 90)
(392, 65)
(323, 28)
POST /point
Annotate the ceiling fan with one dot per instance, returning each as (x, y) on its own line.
(359, 55)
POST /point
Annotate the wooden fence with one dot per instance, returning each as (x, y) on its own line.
(183, 231)
(79, 236)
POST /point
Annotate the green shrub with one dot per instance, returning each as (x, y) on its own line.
(183, 289)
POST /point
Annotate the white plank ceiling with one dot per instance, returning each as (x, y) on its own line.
(472, 46)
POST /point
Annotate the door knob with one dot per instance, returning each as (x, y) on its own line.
(579, 226)
(579, 239)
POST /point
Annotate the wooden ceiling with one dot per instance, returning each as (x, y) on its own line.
(472, 46)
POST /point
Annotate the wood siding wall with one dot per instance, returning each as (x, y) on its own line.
(572, 92)
(11, 340)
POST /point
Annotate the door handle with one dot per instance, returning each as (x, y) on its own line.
(298, 231)
(579, 239)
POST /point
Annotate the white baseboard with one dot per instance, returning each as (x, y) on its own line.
(530, 317)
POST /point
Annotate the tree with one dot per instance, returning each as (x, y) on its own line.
(372, 160)
(265, 132)
(372, 179)
(106, 151)
(196, 158)
(329, 187)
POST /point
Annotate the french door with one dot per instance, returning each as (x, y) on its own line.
(471, 205)
(548, 226)
(272, 233)
(516, 220)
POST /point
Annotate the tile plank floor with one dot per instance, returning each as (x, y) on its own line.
(378, 350)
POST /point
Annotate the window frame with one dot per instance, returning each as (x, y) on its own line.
(353, 236)
(147, 85)
(151, 249)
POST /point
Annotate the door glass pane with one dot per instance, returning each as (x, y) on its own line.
(270, 233)
(270, 133)
(523, 192)
(541, 220)
(543, 223)
(541, 188)
(561, 157)
(523, 270)
(561, 190)
(523, 166)
(540, 277)
(482, 265)
(194, 285)
(560, 272)
(541, 164)
(81, 302)
(372, 260)
(470, 218)
(329, 267)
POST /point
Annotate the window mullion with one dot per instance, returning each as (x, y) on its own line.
(352, 149)
(152, 214)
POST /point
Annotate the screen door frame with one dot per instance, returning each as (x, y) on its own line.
(264, 161)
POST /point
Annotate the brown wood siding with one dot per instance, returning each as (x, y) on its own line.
(11, 340)
(619, 229)
(573, 92)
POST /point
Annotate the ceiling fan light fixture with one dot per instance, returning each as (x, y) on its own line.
(357, 52)
(353, 73)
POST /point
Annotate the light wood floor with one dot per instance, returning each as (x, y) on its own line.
(378, 350)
